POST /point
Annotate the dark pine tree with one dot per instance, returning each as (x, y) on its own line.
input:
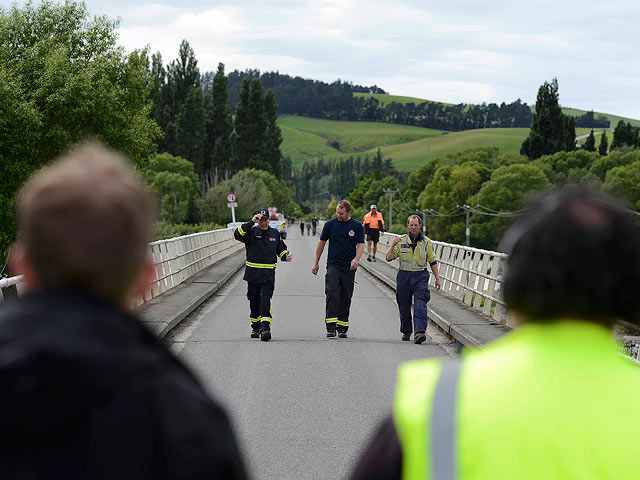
(219, 125)
(550, 131)
(272, 136)
(242, 125)
(604, 144)
(590, 143)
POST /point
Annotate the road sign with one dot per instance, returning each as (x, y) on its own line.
(231, 198)
(232, 204)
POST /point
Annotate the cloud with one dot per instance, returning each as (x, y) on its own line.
(462, 52)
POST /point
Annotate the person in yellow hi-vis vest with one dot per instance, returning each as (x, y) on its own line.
(552, 400)
(415, 254)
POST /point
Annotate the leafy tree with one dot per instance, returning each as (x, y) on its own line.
(590, 142)
(563, 168)
(602, 165)
(452, 186)
(604, 144)
(505, 191)
(63, 78)
(550, 131)
(251, 192)
(624, 181)
(175, 182)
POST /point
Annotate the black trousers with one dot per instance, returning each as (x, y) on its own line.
(259, 295)
(338, 287)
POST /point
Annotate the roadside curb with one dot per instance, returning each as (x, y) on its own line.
(162, 313)
(467, 326)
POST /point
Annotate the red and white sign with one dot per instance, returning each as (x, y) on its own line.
(231, 197)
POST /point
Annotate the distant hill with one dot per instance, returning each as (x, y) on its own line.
(307, 139)
(385, 99)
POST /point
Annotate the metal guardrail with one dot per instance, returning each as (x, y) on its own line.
(471, 275)
(176, 259)
(9, 282)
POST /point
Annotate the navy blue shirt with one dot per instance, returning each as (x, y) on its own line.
(343, 238)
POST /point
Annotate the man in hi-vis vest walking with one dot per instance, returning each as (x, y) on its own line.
(414, 251)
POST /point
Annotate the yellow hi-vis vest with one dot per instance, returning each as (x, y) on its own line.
(414, 260)
(550, 401)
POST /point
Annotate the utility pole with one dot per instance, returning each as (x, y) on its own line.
(468, 231)
(390, 192)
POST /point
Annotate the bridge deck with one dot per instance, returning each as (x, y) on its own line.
(303, 405)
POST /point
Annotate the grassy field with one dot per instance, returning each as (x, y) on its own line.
(384, 99)
(409, 147)
(305, 138)
(410, 156)
(300, 145)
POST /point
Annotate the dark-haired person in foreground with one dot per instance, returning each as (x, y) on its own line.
(87, 390)
(554, 399)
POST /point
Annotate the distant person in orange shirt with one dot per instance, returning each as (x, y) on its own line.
(373, 227)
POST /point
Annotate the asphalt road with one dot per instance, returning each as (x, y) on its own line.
(303, 405)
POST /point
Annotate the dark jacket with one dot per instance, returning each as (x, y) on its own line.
(264, 247)
(88, 392)
(382, 458)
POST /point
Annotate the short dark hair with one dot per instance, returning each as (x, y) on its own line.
(345, 204)
(576, 255)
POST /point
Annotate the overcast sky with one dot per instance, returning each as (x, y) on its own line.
(452, 51)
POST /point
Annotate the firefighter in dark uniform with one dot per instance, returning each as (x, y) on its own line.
(264, 246)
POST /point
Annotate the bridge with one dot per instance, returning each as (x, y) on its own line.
(303, 405)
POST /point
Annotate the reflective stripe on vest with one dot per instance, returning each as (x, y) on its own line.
(404, 262)
(443, 423)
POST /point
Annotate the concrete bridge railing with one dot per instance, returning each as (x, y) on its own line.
(176, 259)
(471, 275)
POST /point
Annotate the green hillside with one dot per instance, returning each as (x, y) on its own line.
(410, 156)
(385, 99)
(305, 138)
(300, 145)
(614, 119)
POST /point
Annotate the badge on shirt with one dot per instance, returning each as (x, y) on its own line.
(271, 239)
(351, 233)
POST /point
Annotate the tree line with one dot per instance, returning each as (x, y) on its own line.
(335, 178)
(198, 125)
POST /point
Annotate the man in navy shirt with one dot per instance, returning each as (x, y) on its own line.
(346, 244)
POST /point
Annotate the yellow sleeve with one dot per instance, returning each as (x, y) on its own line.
(396, 250)
(431, 255)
